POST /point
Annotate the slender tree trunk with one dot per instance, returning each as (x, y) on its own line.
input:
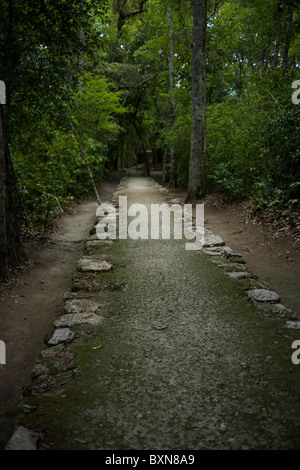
(173, 179)
(11, 250)
(197, 179)
(204, 100)
(3, 233)
(285, 59)
(164, 163)
(9, 64)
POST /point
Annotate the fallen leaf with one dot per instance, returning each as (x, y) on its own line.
(97, 347)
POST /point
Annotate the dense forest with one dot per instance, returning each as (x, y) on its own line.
(210, 87)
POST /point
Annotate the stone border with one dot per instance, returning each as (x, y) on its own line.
(237, 269)
(80, 308)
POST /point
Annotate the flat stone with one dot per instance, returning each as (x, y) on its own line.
(26, 409)
(233, 266)
(86, 284)
(51, 352)
(293, 325)
(238, 275)
(215, 249)
(86, 265)
(221, 249)
(86, 306)
(74, 319)
(61, 335)
(210, 252)
(232, 254)
(77, 295)
(211, 240)
(264, 295)
(39, 369)
(283, 312)
(225, 251)
(44, 385)
(282, 308)
(22, 439)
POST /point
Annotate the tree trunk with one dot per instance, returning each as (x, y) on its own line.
(197, 178)
(3, 234)
(285, 59)
(173, 179)
(164, 163)
(8, 62)
(11, 250)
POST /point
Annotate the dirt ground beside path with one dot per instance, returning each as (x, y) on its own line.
(30, 306)
(275, 261)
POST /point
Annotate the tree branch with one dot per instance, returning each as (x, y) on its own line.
(124, 15)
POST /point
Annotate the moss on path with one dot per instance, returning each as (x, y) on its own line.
(186, 360)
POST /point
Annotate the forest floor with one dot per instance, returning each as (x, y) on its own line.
(34, 301)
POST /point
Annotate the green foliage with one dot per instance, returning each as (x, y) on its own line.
(252, 126)
(253, 142)
(87, 85)
(48, 161)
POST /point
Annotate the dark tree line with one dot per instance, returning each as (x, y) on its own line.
(198, 89)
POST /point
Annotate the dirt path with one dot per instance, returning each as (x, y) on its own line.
(28, 310)
(182, 359)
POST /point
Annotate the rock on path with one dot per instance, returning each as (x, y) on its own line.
(264, 295)
(182, 361)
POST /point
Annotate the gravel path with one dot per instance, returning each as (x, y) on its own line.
(183, 359)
